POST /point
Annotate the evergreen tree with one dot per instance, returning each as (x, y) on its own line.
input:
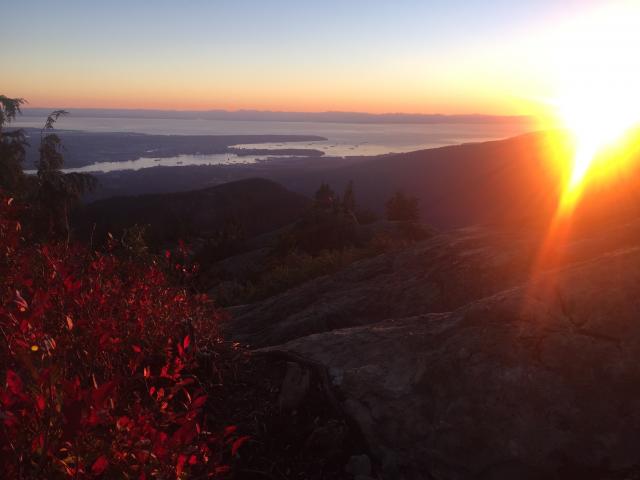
(402, 207)
(12, 147)
(52, 193)
(325, 197)
(349, 198)
(57, 192)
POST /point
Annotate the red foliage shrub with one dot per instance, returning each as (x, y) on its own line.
(98, 363)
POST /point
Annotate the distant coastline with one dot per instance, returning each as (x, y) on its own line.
(271, 116)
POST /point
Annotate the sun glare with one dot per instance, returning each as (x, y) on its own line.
(597, 129)
(598, 97)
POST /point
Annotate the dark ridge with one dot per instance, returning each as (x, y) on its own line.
(255, 205)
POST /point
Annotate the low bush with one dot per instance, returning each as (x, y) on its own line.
(99, 365)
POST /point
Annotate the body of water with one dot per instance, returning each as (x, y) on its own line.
(177, 161)
(343, 139)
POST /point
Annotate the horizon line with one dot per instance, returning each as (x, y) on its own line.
(297, 112)
(326, 116)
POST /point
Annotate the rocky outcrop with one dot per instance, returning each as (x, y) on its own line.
(437, 275)
(440, 274)
(539, 381)
(466, 357)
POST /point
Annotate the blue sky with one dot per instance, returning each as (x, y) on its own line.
(278, 54)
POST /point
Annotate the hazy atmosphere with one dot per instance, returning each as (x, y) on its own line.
(373, 56)
(337, 240)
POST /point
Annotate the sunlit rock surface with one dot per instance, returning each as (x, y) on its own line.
(437, 275)
(461, 362)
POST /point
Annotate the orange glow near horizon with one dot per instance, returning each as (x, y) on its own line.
(599, 131)
(476, 59)
(597, 95)
(385, 100)
(594, 106)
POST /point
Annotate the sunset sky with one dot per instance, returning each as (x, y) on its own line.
(414, 56)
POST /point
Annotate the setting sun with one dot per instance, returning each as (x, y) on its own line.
(597, 72)
(597, 131)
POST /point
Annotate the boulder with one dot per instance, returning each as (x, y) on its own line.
(295, 386)
(536, 381)
(472, 356)
(359, 466)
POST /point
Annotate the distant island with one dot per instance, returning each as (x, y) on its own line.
(88, 148)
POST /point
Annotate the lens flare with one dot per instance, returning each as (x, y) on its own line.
(597, 98)
(598, 130)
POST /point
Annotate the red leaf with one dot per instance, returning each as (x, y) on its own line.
(122, 423)
(185, 433)
(186, 342)
(38, 443)
(70, 284)
(238, 443)
(100, 465)
(185, 382)
(100, 394)
(40, 402)
(198, 402)
(21, 302)
(180, 465)
(136, 348)
(14, 383)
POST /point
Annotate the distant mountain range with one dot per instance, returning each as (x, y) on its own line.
(270, 116)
